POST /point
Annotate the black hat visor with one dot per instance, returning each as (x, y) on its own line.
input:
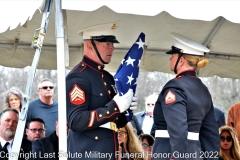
(174, 50)
(104, 38)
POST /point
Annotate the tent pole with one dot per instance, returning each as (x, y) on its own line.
(214, 31)
(60, 41)
(23, 114)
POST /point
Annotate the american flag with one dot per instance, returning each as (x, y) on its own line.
(127, 73)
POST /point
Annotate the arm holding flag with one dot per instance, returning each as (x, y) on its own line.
(78, 87)
(124, 101)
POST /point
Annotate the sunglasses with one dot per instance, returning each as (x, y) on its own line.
(152, 104)
(228, 138)
(34, 130)
(46, 87)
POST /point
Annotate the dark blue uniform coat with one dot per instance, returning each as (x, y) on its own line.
(219, 116)
(46, 148)
(185, 105)
(90, 90)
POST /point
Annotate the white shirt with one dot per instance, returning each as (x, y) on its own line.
(3, 142)
(147, 124)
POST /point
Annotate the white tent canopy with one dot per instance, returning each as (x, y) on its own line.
(215, 27)
(212, 23)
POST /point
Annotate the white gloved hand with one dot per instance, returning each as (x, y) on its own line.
(124, 101)
(134, 103)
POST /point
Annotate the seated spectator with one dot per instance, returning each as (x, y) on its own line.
(35, 129)
(128, 144)
(13, 99)
(229, 144)
(147, 145)
(47, 146)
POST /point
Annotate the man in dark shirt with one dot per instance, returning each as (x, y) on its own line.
(35, 129)
(47, 146)
(45, 107)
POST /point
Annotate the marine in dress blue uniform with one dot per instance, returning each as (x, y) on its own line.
(184, 114)
(93, 111)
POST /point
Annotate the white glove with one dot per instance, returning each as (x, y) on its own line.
(124, 101)
(134, 103)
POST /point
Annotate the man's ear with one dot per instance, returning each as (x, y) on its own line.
(89, 45)
(26, 131)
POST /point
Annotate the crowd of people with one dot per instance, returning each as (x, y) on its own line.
(178, 123)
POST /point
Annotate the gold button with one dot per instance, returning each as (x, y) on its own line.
(100, 94)
(115, 109)
(108, 112)
(100, 115)
(99, 67)
(96, 137)
(105, 83)
(82, 64)
(109, 92)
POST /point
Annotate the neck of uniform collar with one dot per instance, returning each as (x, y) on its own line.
(92, 63)
(187, 72)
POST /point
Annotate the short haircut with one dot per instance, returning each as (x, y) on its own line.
(35, 119)
(151, 98)
(150, 139)
(43, 80)
(8, 110)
